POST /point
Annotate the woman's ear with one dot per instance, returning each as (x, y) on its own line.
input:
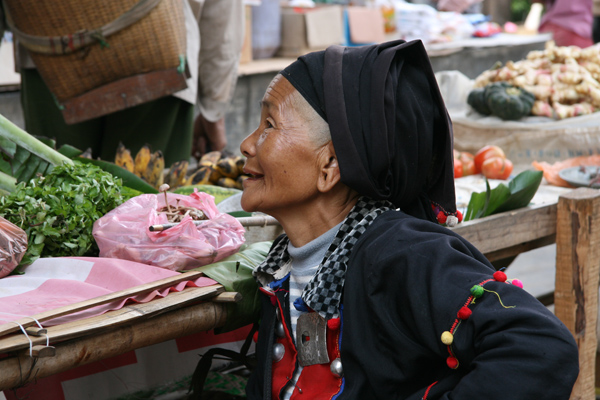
(329, 175)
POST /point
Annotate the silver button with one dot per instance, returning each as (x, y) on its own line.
(279, 331)
(336, 368)
(278, 352)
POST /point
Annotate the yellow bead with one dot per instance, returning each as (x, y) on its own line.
(447, 338)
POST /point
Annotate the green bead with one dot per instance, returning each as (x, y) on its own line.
(477, 291)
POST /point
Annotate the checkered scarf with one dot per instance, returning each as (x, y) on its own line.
(323, 293)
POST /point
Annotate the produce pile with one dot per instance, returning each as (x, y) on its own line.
(214, 168)
(564, 82)
(178, 212)
(58, 210)
(490, 161)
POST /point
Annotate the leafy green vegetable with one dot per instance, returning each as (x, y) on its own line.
(518, 194)
(129, 179)
(58, 210)
(22, 156)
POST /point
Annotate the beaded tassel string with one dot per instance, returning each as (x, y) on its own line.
(465, 312)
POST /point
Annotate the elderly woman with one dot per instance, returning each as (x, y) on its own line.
(368, 295)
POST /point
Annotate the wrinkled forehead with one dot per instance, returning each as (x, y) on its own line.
(279, 92)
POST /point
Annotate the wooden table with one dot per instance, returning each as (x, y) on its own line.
(572, 221)
(192, 310)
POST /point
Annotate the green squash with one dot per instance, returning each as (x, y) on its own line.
(507, 101)
(476, 99)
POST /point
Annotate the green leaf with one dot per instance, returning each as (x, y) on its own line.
(522, 189)
(12, 132)
(129, 193)
(22, 156)
(517, 194)
(129, 179)
(69, 151)
(8, 147)
(28, 170)
(19, 162)
(5, 165)
(486, 203)
(7, 182)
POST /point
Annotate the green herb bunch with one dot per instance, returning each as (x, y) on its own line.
(58, 210)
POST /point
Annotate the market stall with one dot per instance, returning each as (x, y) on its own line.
(162, 320)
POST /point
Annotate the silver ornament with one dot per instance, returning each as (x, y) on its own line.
(278, 352)
(336, 368)
(279, 330)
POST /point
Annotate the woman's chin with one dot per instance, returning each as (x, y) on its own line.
(246, 202)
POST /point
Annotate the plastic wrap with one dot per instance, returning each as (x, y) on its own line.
(13, 245)
(124, 232)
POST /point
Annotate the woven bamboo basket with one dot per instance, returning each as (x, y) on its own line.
(155, 42)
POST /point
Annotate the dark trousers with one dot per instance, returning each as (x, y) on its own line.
(165, 124)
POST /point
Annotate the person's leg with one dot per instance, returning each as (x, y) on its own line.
(44, 118)
(164, 124)
(596, 29)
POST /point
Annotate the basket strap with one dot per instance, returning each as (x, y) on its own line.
(75, 41)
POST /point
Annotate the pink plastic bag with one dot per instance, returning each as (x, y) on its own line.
(124, 233)
(13, 245)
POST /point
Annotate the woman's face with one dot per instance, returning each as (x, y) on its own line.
(281, 158)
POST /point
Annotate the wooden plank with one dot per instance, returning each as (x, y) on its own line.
(122, 94)
(512, 251)
(266, 65)
(83, 305)
(228, 297)
(20, 369)
(511, 228)
(127, 314)
(577, 278)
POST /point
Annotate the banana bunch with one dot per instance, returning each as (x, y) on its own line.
(147, 165)
(216, 169)
(213, 169)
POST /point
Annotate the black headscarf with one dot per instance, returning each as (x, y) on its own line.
(390, 129)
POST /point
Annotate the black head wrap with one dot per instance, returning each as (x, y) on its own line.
(390, 129)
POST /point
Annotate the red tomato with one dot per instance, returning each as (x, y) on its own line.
(458, 168)
(497, 168)
(468, 163)
(487, 152)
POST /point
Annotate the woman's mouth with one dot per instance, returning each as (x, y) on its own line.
(252, 174)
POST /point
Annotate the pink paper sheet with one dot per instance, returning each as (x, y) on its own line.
(49, 283)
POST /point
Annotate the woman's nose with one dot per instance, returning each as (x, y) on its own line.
(247, 147)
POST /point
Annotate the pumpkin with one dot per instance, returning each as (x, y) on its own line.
(507, 101)
(476, 99)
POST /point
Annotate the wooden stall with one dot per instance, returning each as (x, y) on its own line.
(572, 221)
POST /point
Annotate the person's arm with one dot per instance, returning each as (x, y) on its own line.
(511, 345)
(221, 25)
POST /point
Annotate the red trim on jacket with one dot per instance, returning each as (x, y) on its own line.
(315, 381)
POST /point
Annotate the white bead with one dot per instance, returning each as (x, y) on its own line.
(451, 221)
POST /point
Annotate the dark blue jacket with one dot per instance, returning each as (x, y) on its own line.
(406, 281)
